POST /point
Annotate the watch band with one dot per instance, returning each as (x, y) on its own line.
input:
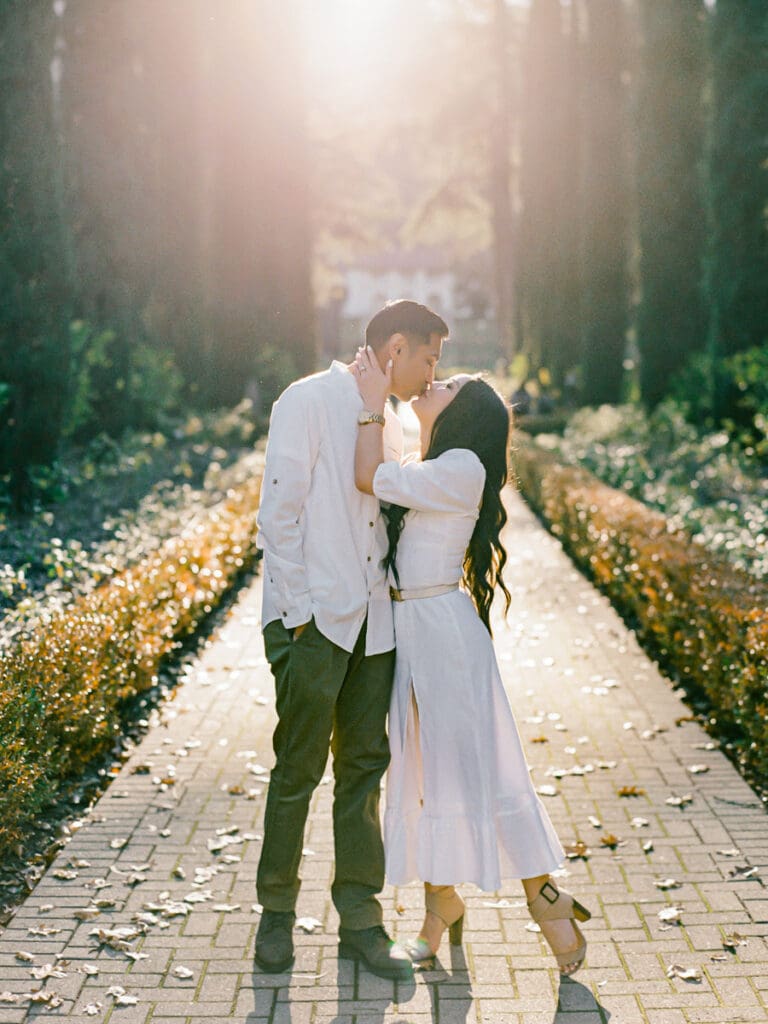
(366, 416)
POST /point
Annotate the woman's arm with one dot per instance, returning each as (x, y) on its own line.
(374, 384)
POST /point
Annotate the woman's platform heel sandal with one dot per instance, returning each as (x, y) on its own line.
(553, 904)
(445, 903)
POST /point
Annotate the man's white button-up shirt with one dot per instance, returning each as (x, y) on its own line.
(323, 539)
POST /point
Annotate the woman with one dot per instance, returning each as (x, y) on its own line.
(460, 803)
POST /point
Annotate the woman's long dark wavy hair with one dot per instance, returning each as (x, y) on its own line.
(476, 419)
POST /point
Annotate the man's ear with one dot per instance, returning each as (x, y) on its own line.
(396, 345)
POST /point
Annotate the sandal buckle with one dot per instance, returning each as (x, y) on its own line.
(552, 888)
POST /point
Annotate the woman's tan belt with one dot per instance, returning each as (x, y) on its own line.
(408, 595)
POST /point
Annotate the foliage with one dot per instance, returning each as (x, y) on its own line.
(669, 116)
(64, 685)
(702, 482)
(704, 619)
(105, 506)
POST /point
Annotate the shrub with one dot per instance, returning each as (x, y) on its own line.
(64, 687)
(705, 620)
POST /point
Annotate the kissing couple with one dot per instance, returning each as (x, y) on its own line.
(379, 573)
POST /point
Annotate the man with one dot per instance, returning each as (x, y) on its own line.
(329, 638)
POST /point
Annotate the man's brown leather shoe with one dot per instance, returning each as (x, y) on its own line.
(374, 948)
(274, 941)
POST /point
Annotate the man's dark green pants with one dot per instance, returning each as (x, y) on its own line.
(326, 697)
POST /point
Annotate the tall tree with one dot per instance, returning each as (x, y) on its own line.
(671, 318)
(35, 278)
(738, 264)
(550, 188)
(607, 198)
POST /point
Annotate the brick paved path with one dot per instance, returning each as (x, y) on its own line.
(589, 704)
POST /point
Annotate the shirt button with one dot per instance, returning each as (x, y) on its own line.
(369, 558)
(370, 524)
(275, 480)
(283, 614)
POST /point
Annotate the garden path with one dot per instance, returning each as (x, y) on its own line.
(603, 730)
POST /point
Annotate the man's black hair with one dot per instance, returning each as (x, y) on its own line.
(404, 317)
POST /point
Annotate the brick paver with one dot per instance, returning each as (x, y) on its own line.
(177, 858)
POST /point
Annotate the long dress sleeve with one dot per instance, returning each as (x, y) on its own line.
(292, 449)
(453, 482)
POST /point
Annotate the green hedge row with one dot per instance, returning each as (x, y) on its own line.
(63, 688)
(705, 621)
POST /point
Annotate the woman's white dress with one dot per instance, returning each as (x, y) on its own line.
(460, 804)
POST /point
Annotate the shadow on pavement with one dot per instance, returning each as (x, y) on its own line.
(575, 997)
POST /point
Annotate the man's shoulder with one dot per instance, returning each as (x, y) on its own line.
(316, 384)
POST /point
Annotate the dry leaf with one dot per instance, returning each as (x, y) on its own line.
(9, 997)
(630, 791)
(743, 871)
(698, 769)
(236, 790)
(606, 764)
(225, 908)
(734, 940)
(733, 852)
(667, 883)
(25, 957)
(539, 739)
(183, 972)
(86, 914)
(64, 875)
(90, 969)
(679, 801)
(639, 823)
(43, 931)
(309, 924)
(670, 915)
(93, 1008)
(719, 958)
(648, 846)
(117, 844)
(547, 791)
(684, 973)
(577, 850)
(47, 971)
(594, 822)
(611, 841)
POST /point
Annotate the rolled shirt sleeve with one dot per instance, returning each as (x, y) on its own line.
(292, 449)
(453, 482)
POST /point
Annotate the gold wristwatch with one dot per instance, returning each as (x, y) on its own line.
(366, 416)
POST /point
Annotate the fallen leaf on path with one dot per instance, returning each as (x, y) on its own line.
(639, 823)
(631, 791)
(670, 915)
(648, 846)
(734, 940)
(93, 1008)
(65, 876)
(25, 957)
(547, 791)
(667, 883)
(594, 822)
(309, 925)
(611, 841)
(698, 769)
(577, 850)
(183, 972)
(679, 801)
(733, 852)
(743, 871)
(684, 973)
(47, 971)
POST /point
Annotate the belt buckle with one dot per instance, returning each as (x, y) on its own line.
(394, 593)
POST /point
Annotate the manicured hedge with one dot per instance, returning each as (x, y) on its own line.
(706, 621)
(63, 687)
